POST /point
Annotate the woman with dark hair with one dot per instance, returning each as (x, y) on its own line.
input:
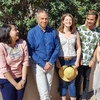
(13, 63)
(70, 51)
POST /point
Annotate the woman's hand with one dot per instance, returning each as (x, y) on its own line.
(76, 65)
(22, 82)
(58, 65)
(18, 86)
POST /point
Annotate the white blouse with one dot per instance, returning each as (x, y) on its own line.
(67, 46)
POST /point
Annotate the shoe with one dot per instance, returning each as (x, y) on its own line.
(79, 98)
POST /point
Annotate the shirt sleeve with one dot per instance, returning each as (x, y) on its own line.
(26, 55)
(31, 48)
(56, 49)
(3, 64)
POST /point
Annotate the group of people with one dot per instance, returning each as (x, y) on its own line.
(50, 48)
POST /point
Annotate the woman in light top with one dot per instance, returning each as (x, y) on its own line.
(13, 63)
(70, 51)
(96, 76)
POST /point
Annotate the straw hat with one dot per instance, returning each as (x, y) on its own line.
(68, 73)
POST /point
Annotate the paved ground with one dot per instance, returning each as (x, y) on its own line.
(90, 96)
(93, 98)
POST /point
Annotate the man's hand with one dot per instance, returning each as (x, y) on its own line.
(91, 64)
(47, 66)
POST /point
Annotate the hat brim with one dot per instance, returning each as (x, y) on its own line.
(61, 74)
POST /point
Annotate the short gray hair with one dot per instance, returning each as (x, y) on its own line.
(40, 11)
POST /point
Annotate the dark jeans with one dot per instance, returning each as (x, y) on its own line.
(9, 92)
(83, 75)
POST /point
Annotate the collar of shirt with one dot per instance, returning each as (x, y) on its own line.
(94, 29)
(44, 31)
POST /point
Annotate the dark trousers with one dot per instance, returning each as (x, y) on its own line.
(9, 92)
(83, 75)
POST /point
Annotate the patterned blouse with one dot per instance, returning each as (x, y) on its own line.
(13, 59)
(14, 53)
(67, 46)
(89, 39)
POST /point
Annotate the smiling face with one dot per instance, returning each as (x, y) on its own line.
(14, 33)
(67, 21)
(90, 21)
(42, 19)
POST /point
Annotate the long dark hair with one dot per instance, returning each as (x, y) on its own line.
(4, 34)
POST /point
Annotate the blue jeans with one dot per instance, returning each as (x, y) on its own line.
(9, 92)
(64, 85)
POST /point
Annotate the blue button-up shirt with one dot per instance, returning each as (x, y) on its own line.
(43, 46)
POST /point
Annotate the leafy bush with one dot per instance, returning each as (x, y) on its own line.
(22, 12)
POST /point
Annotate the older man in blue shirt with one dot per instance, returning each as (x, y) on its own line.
(43, 46)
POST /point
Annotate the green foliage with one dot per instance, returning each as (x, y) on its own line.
(83, 7)
(22, 12)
